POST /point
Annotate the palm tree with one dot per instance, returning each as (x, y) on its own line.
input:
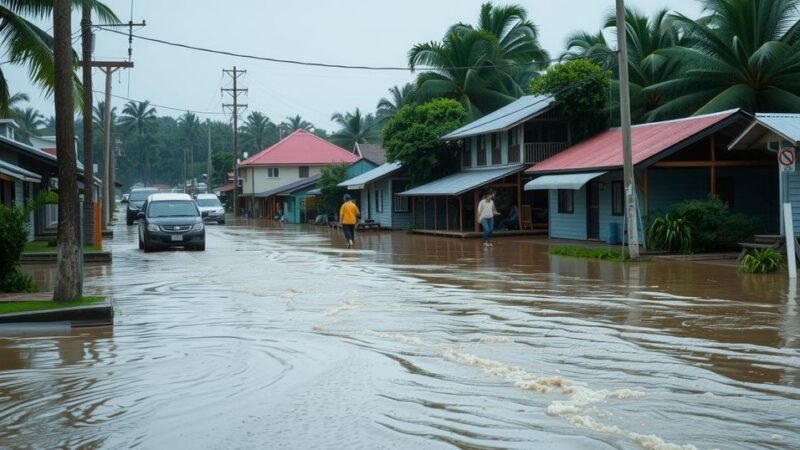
(30, 46)
(292, 124)
(594, 47)
(400, 96)
(30, 121)
(258, 132)
(99, 119)
(141, 118)
(189, 129)
(481, 67)
(743, 54)
(355, 128)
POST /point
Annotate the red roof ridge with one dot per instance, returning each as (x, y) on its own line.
(321, 151)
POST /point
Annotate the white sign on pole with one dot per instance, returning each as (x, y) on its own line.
(786, 159)
(790, 251)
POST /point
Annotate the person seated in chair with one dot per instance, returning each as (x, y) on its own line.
(511, 222)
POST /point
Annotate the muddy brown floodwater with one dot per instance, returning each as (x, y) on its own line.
(277, 337)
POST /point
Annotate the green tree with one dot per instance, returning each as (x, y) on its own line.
(331, 194)
(292, 124)
(742, 54)
(355, 128)
(27, 45)
(140, 118)
(30, 121)
(481, 67)
(580, 88)
(400, 96)
(221, 163)
(412, 137)
(258, 133)
(189, 129)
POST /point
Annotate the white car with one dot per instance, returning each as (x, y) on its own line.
(209, 203)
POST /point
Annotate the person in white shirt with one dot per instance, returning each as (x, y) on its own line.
(485, 216)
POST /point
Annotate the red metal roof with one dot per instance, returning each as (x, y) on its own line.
(224, 188)
(52, 151)
(301, 148)
(604, 151)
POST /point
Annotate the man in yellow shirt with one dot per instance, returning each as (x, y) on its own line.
(348, 217)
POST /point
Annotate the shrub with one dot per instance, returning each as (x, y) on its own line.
(605, 254)
(670, 233)
(713, 226)
(14, 236)
(762, 260)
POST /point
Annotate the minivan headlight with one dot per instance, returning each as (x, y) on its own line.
(152, 227)
(198, 227)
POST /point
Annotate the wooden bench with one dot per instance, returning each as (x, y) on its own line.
(368, 225)
(776, 242)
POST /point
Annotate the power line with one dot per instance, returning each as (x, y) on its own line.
(318, 64)
(164, 107)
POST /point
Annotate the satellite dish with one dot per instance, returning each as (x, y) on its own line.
(246, 155)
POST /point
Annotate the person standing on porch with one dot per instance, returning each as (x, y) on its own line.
(486, 212)
(348, 217)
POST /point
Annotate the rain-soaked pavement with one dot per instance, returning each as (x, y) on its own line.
(276, 337)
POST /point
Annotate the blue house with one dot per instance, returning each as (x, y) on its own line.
(771, 133)
(673, 161)
(495, 151)
(377, 192)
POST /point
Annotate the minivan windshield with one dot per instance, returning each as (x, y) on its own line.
(140, 196)
(208, 202)
(172, 208)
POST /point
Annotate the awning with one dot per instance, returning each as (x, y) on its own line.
(373, 175)
(316, 191)
(463, 181)
(288, 189)
(573, 181)
(18, 172)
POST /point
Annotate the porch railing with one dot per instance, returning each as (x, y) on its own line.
(536, 152)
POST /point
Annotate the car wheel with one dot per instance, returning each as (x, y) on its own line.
(146, 247)
(199, 247)
(129, 222)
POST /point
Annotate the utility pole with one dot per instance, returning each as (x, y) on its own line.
(208, 158)
(88, 102)
(109, 67)
(625, 122)
(235, 92)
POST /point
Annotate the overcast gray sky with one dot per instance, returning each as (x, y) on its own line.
(355, 32)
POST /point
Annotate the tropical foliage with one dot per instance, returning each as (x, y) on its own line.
(355, 128)
(670, 233)
(257, 133)
(483, 67)
(400, 96)
(14, 230)
(697, 226)
(581, 90)
(411, 137)
(762, 260)
(331, 193)
(292, 124)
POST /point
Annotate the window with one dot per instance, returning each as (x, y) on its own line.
(379, 200)
(566, 201)
(497, 157)
(400, 202)
(512, 136)
(303, 171)
(466, 157)
(617, 198)
(273, 172)
(513, 146)
(481, 160)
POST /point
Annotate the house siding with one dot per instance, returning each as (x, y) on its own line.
(286, 175)
(793, 197)
(762, 203)
(568, 226)
(667, 187)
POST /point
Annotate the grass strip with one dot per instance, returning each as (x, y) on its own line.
(44, 247)
(605, 254)
(30, 306)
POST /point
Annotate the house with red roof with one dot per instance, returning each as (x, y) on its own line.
(299, 156)
(673, 160)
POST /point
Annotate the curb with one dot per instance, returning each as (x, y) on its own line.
(99, 314)
(51, 258)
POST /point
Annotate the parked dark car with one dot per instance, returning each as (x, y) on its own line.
(135, 202)
(169, 220)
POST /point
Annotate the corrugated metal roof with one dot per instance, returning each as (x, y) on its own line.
(316, 191)
(301, 148)
(287, 189)
(372, 175)
(505, 117)
(461, 182)
(18, 172)
(372, 152)
(604, 151)
(572, 181)
(769, 126)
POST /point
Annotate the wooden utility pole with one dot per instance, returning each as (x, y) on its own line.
(632, 220)
(108, 67)
(208, 158)
(88, 102)
(235, 92)
(69, 279)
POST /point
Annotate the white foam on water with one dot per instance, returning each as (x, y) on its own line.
(647, 441)
(495, 339)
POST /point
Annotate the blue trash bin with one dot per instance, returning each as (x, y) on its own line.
(613, 234)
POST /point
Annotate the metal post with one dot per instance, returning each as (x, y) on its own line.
(790, 250)
(627, 153)
(107, 189)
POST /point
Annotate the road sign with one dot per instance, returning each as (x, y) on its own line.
(786, 159)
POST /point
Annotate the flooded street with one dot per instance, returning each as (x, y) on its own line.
(276, 337)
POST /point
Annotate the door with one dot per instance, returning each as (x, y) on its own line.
(592, 210)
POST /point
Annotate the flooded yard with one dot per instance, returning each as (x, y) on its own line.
(278, 337)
